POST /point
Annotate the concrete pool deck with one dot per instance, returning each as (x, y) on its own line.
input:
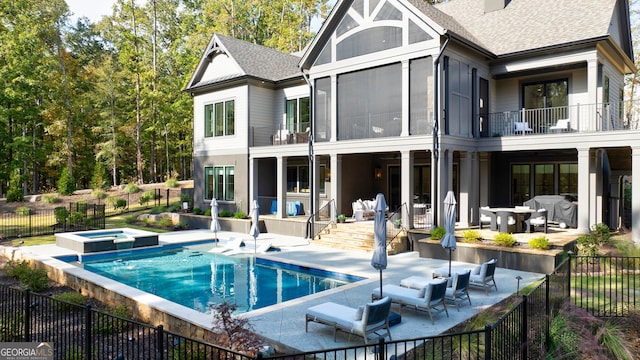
(284, 324)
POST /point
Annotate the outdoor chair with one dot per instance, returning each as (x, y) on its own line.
(458, 290)
(561, 125)
(430, 298)
(522, 127)
(488, 217)
(482, 276)
(364, 321)
(508, 223)
(538, 218)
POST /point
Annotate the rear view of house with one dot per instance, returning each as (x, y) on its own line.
(500, 101)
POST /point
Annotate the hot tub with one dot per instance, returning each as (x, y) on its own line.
(106, 240)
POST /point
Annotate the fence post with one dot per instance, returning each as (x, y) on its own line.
(487, 341)
(547, 328)
(30, 224)
(88, 337)
(160, 342)
(524, 327)
(168, 197)
(27, 316)
(568, 288)
(381, 349)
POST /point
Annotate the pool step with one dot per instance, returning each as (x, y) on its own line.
(359, 236)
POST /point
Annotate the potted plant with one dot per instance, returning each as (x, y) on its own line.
(397, 223)
(341, 218)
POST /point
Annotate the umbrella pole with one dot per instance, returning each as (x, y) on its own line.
(449, 262)
(380, 283)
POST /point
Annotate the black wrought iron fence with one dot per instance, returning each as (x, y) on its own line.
(606, 286)
(26, 222)
(81, 332)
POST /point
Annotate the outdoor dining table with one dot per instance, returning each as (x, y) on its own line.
(521, 214)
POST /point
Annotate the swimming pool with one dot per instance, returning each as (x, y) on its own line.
(193, 277)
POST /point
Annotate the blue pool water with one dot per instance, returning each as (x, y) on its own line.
(192, 277)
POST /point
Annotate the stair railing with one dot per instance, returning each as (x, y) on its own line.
(398, 215)
(321, 219)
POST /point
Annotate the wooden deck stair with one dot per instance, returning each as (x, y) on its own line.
(359, 236)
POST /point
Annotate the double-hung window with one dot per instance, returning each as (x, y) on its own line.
(298, 114)
(219, 119)
(219, 183)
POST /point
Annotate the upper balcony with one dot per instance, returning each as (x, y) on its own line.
(576, 118)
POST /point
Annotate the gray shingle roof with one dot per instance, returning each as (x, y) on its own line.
(531, 24)
(261, 62)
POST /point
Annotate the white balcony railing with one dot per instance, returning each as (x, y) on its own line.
(575, 118)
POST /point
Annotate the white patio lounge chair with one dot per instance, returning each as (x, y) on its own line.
(364, 321)
(458, 290)
(561, 125)
(482, 276)
(230, 245)
(430, 298)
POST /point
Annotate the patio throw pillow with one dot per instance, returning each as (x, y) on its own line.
(359, 312)
(425, 292)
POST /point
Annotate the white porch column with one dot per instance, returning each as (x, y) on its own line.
(443, 179)
(281, 186)
(253, 182)
(316, 185)
(583, 190)
(635, 189)
(406, 186)
(405, 98)
(334, 108)
(592, 94)
(467, 179)
(336, 183)
(596, 187)
(484, 173)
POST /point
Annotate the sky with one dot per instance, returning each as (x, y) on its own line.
(93, 9)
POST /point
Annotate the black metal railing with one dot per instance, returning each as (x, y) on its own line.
(27, 222)
(321, 219)
(81, 332)
(606, 286)
(522, 332)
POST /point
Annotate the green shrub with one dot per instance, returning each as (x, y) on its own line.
(504, 239)
(106, 324)
(157, 209)
(68, 299)
(197, 211)
(130, 219)
(239, 215)
(15, 192)
(99, 194)
(23, 211)
(132, 188)
(66, 183)
(146, 197)
(225, 213)
(173, 208)
(437, 233)
(50, 199)
(61, 213)
(76, 218)
(165, 222)
(471, 236)
(34, 279)
(208, 212)
(117, 203)
(171, 183)
(588, 245)
(540, 243)
(75, 352)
